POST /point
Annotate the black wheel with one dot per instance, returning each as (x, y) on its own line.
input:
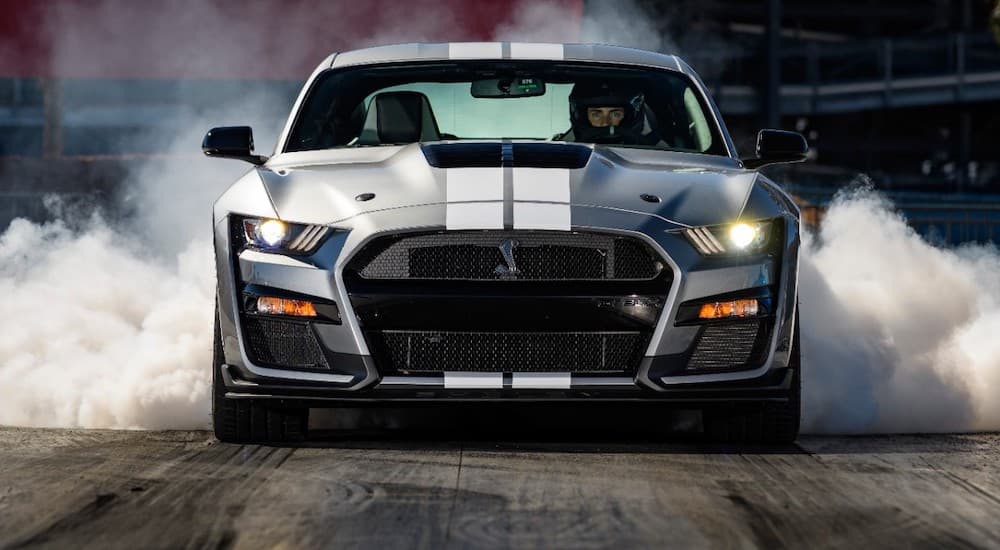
(246, 420)
(764, 422)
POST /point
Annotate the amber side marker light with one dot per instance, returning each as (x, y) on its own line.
(284, 306)
(724, 310)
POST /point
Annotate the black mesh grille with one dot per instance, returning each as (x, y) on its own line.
(581, 352)
(731, 346)
(628, 260)
(538, 256)
(282, 343)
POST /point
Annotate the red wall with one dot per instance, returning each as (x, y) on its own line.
(280, 39)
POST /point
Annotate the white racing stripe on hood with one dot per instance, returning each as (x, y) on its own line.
(475, 50)
(474, 197)
(473, 184)
(474, 215)
(541, 184)
(524, 50)
(541, 199)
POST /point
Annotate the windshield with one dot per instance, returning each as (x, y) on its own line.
(556, 101)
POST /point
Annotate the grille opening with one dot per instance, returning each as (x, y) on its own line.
(407, 352)
(536, 256)
(285, 344)
(731, 346)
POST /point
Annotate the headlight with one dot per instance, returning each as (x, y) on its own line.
(270, 232)
(742, 235)
(279, 236)
(737, 238)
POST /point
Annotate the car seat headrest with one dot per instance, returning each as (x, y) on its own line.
(399, 117)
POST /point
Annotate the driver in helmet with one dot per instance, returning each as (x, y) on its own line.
(600, 112)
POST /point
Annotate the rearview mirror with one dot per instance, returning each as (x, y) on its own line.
(233, 142)
(508, 87)
(774, 146)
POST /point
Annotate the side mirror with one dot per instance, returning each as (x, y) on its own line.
(774, 146)
(231, 142)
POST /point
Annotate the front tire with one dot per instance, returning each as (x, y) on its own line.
(247, 420)
(764, 422)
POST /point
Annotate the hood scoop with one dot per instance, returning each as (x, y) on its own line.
(550, 155)
(464, 155)
(496, 155)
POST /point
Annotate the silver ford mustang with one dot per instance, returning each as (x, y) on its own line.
(505, 222)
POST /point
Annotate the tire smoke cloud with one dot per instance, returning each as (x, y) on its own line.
(897, 335)
(109, 324)
(100, 333)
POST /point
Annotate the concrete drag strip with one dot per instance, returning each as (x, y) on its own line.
(104, 489)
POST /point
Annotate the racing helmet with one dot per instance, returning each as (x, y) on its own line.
(603, 94)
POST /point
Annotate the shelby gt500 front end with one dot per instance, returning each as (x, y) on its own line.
(530, 222)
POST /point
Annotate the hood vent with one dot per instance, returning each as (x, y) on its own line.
(550, 155)
(519, 155)
(464, 155)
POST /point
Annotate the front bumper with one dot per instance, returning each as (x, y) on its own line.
(772, 386)
(354, 378)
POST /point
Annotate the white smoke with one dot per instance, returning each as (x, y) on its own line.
(99, 333)
(619, 23)
(110, 326)
(897, 335)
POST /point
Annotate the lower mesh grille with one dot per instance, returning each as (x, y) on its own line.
(438, 351)
(282, 343)
(731, 346)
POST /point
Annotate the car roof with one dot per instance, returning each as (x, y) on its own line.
(601, 53)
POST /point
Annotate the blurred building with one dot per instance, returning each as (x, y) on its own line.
(901, 95)
(906, 92)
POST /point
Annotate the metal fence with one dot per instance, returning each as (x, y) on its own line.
(955, 223)
(943, 219)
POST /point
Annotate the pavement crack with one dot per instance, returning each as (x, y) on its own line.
(454, 496)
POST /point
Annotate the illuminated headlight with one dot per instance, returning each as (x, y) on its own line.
(270, 233)
(279, 236)
(742, 235)
(737, 238)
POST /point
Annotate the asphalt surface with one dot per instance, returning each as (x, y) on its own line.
(443, 488)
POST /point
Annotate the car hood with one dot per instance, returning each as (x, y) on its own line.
(336, 186)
